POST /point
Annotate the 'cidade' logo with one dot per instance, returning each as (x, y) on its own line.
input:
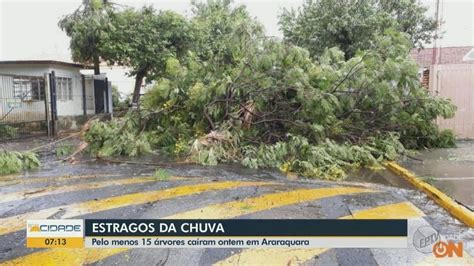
(55, 228)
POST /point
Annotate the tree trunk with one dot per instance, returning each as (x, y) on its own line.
(96, 65)
(138, 85)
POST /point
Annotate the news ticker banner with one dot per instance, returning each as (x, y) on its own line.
(246, 233)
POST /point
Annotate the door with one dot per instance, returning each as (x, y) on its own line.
(99, 96)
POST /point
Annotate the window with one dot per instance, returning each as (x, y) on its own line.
(29, 88)
(64, 89)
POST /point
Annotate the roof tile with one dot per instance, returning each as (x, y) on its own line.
(448, 55)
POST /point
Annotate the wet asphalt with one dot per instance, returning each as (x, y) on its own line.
(450, 170)
(54, 187)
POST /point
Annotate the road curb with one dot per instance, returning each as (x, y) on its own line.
(458, 211)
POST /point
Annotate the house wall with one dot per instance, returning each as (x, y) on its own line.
(68, 107)
(26, 70)
(457, 83)
(32, 110)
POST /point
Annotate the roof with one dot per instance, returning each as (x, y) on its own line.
(40, 62)
(447, 55)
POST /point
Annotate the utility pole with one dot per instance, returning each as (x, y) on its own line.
(434, 59)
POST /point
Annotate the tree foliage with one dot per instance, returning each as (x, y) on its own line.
(87, 27)
(352, 25)
(14, 162)
(118, 137)
(7, 131)
(225, 33)
(240, 97)
(143, 40)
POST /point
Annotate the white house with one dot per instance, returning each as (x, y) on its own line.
(27, 94)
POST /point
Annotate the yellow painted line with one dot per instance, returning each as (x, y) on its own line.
(52, 190)
(265, 202)
(404, 210)
(15, 223)
(12, 180)
(8, 178)
(237, 208)
(460, 212)
(61, 257)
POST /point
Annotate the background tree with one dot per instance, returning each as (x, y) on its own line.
(120, 102)
(352, 25)
(225, 33)
(86, 27)
(144, 40)
(412, 19)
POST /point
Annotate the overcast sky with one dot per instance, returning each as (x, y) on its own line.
(28, 28)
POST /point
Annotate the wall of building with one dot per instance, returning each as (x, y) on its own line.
(70, 107)
(65, 107)
(31, 110)
(456, 82)
(23, 69)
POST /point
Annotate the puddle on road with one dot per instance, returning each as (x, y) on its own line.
(383, 177)
(450, 170)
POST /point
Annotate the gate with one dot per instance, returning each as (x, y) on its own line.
(23, 106)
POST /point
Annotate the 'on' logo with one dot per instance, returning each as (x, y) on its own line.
(442, 249)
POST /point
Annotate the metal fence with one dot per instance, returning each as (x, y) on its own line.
(23, 108)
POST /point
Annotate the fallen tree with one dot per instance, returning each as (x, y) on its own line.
(264, 103)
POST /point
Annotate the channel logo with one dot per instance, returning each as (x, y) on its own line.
(55, 228)
(55, 233)
(448, 249)
(427, 240)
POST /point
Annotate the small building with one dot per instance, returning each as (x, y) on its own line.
(448, 72)
(41, 91)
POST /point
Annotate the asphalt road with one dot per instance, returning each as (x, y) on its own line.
(122, 192)
(450, 170)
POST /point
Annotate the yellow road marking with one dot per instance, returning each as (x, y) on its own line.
(265, 202)
(8, 178)
(65, 257)
(236, 208)
(38, 192)
(404, 210)
(12, 180)
(15, 223)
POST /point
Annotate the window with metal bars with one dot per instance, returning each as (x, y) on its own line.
(29, 88)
